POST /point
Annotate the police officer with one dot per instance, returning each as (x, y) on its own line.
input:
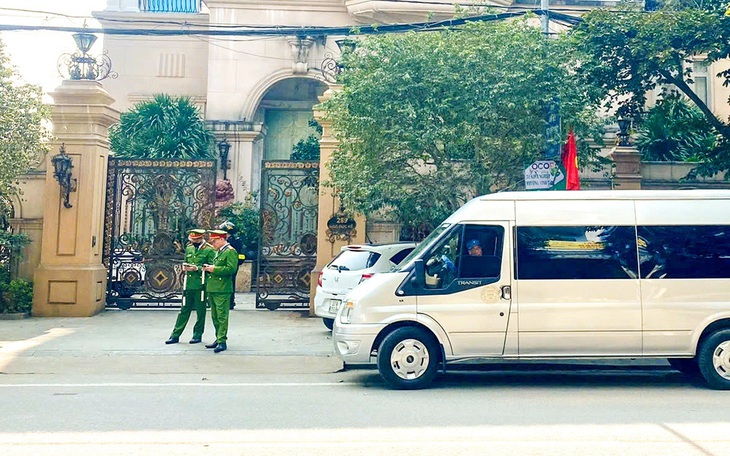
(219, 287)
(236, 243)
(197, 253)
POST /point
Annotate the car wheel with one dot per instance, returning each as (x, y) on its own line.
(328, 322)
(714, 359)
(272, 305)
(408, 358)
(687, 366)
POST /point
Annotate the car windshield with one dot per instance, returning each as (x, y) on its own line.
(407, 262)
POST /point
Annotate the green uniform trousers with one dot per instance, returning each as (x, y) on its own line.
(219, 310)
(192, 302)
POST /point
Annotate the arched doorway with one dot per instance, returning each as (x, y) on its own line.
(288, 195)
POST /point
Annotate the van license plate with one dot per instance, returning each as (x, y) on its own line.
(334, 305)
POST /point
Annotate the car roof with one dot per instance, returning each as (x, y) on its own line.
(378, 247)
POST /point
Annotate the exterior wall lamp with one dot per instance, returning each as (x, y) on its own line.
(62, 166)
(624, 123)
(331, 68)
(223, 150)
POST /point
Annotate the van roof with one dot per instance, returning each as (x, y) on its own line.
(606, 194)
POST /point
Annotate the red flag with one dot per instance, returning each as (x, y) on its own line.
(570, 163)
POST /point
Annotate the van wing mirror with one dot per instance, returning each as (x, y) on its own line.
(419, 274)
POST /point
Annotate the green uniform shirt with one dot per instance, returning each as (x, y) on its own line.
(197, 255)
(225, 263)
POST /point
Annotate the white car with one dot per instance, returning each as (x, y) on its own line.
(354, 264)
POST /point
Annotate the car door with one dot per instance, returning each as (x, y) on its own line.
(470, 297)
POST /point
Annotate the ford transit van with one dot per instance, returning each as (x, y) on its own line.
(557, 275)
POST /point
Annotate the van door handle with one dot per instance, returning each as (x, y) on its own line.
(506, 292)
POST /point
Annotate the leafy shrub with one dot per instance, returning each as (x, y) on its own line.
(17, 297)
(674, 130)
(245, 216)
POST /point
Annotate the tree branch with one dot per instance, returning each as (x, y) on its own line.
(680, 83)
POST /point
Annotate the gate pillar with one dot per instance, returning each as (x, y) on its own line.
(328, 247)
(71, 279)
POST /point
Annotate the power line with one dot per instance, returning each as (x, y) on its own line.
(245, 30)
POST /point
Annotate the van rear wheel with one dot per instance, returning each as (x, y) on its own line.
(714, 359)
(329, 323)
(408, 358)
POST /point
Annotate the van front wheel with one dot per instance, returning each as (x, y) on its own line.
(714, 359)
(408, 358)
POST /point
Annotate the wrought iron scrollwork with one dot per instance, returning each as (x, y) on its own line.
(288, 243)
(150, 206)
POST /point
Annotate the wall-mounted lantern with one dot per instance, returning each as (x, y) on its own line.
(331, 68)
(62, 171)
(223, 149)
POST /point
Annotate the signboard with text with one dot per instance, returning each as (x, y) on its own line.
(544, 175)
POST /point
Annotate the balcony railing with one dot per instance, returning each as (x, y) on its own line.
(169, 6)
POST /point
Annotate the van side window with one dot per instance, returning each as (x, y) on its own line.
(684, 252)
(576, 252)
(469, 252)
(481, 252)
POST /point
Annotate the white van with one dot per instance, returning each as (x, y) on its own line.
(586, 274)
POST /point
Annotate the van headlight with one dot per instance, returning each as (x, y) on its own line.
(346, 314)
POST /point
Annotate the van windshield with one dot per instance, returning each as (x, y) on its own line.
(407, 262)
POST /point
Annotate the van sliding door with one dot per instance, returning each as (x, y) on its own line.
(578, 290)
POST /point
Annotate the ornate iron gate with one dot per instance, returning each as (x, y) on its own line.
(150, 206)
(288, 239)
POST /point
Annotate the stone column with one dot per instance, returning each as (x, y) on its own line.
(328, 203)
(627, 174)
(71, 279)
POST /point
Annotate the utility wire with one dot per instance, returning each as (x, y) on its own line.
(191, 29)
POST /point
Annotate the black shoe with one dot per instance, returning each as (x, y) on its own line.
(172, 340)
(213, 345)
(220, 348)
(195, 340)
(231, 308)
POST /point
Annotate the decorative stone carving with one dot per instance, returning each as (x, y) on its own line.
(300, 47)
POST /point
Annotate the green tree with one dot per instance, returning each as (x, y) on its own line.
(24, 133)
(674, 130)
(428, 120)
(630, 52)
(164, 127)
(308, 149)
(245, 217)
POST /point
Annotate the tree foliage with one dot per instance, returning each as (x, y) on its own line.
(245, 217)
(164, 127)
(674, 130)
(24, 132)
(308, 149)
(630, 52)
(428, 120)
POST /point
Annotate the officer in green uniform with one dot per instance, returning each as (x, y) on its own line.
(197, 253)
(219, 286)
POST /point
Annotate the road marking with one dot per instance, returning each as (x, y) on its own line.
(176, 384)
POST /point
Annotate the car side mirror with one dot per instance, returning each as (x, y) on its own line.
(419, 274)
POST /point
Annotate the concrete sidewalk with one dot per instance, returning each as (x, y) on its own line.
(132, 341)
(259, 342)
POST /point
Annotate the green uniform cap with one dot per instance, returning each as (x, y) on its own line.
(197, 231)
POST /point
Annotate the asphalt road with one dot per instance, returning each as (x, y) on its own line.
(527, 410)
